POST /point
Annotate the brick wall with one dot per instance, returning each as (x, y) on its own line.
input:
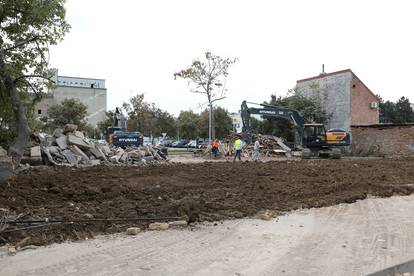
(388, 140)
(361, 96)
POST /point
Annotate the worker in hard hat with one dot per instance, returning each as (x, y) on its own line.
(237, 148)
(214, 147)
(256, 149)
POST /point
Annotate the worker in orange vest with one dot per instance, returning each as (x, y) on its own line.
(214, 147)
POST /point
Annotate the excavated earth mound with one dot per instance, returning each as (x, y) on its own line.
(205, 191)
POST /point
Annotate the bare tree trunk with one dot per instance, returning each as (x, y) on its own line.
(17, 149)
(213, 124)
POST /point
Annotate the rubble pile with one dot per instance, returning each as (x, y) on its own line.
(69, 147)
(269, 145)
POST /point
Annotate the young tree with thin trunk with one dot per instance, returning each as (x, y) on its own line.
(208, 76)
(27, 28)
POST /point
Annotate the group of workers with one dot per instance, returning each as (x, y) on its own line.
(238, 148)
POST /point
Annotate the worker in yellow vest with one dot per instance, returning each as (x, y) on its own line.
(237, 148)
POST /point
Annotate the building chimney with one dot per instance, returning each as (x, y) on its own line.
(323, 70)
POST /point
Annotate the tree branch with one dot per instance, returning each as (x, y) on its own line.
(33, 76)
(22, 43)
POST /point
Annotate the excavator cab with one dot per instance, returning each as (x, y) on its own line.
(314, 135)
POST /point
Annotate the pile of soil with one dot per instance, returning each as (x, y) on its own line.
(204, 192)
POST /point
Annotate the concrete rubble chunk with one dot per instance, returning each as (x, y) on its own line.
(97, 153)
(35, 152)
(79, 142)
(158, 226)
(54, 150)
(124, 157)
(74, 149)
(265, 215)
(79, 152)
(133, 231)
(12, 250)
(57, 133)
(137, 154)
(79, 134)
(69, 128)
(178, 224)
(95, 162)
(62, 142)
(104, 148)
(70, 157)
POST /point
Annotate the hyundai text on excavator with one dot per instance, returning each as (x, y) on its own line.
(313, 138)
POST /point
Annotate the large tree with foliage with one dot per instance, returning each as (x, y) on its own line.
(69, 111)
(208, 76)
(147, 118)
(27, 28)
(188, 124)
(222, 120)
(398, 112)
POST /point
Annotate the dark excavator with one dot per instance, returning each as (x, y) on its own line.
(314, 140)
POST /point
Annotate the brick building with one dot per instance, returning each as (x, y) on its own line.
(345, 96)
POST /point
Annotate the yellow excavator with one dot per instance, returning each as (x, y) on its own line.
(314, 139)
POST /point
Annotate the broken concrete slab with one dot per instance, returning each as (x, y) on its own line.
(79, 142)
(265, 215)
(117, 156)
(35, 152)
(133, 231)
(124, 157)
(97, 153)
(62, 142)
(148, 158)
(137, 154)
(158, 226)
(54, 150)
(95, 162)
(114, 159)
(69, 128)
(70, 157)
(79, 152)
(79, 134)
(178, 224)
(104, 148)
(57, 132)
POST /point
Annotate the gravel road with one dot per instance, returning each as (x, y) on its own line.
(346, 239)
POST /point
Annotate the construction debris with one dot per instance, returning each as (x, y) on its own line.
(269, 145)
(158, 226)
(133, 231)
(70, 147)
(178, 224)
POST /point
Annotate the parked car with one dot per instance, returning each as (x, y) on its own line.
(179, 144)
(167, 142)
(193, 144)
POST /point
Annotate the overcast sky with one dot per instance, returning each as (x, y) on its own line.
(138, 45)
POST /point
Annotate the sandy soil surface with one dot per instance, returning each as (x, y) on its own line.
(346, 239)
(203, 192)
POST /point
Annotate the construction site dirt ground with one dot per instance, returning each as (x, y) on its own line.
(345, 239)
(209, 191)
